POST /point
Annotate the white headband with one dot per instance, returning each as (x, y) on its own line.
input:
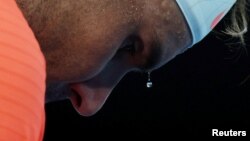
(203, 15)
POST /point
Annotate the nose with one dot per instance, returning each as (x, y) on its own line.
(87, 100)
(88, 97)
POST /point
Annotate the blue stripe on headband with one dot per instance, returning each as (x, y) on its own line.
(203, 15)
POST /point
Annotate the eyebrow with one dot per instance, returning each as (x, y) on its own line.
(153, 59)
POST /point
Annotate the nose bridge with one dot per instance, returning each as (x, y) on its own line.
(109, 77)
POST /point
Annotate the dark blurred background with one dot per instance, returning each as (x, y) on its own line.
(202, 89)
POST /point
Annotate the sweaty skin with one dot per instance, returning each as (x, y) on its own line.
(89, 45)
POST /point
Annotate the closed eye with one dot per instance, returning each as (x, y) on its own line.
(140, 56)
(132, 45)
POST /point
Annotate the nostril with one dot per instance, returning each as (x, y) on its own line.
(86, 100)
(76, 98)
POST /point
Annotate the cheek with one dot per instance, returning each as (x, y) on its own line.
(73, 64)
(85, 54)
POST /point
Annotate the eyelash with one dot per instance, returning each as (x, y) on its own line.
(129, 47)
(133, 48)
(132, 45)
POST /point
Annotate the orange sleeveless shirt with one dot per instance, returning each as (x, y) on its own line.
(22, 78)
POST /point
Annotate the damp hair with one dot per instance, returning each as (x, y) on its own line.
(238, 23)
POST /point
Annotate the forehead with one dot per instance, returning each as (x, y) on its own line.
(171, 30)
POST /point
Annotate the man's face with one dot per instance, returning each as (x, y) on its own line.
(89, 45)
